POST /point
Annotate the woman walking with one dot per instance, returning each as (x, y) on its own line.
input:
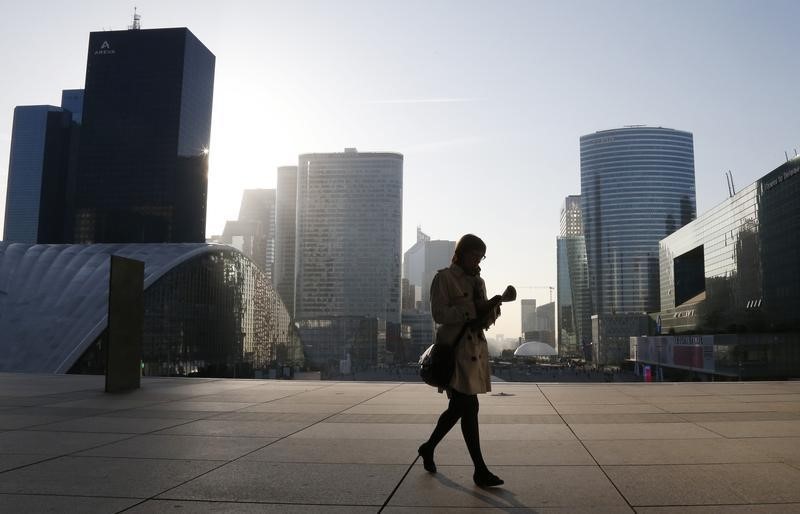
(460, 307)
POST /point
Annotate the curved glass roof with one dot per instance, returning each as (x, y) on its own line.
(534, 349)
(54, 298)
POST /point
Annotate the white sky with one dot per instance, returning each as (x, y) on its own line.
(486, 99)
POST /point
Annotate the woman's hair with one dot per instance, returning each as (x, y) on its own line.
(468, 243)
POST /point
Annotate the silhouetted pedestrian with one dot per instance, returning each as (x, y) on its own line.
(458, 298)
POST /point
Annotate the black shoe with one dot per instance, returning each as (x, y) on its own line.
(426, 452)
(485, 478)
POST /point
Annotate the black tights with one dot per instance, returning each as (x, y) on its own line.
(465, 407)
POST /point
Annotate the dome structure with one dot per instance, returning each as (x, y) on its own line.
(534, 349)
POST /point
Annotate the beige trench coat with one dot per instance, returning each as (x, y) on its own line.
(453, 303)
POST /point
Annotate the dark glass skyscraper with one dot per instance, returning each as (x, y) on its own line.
(37, 174)
(637, 187)
(143, 154)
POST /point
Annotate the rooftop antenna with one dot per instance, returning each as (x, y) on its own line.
(137, 21)
(733, 188)
(786, 154)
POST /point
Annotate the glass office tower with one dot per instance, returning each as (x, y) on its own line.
(349, 221)
(730, 286)
(422, 261)
(143, 153)
(37, 174)
(637, 187)
(735, 269)
(253, 233)
(574, 300)
(285, 227)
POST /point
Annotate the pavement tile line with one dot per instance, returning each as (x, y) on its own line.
(211, 415)
(68, 495)
(399, 483)
(682, 415)
(345, 407)
(603, 471)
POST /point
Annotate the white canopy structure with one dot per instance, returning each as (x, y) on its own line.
(534, 349)
(54, 298)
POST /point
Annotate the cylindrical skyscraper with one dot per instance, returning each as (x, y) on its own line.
(637, 187)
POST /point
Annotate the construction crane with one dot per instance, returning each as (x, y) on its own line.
(551, 288)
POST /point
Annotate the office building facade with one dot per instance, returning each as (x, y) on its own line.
(570, 220)
(285, 228)
(422, 261)
(348, 247)
(253, 233)
(72, 101)
(637, 187)
(420, 264)
(574, 305)
(546, 323)
(730, 286)
(143, 153)
(37, 174)
(348, 239)
(528, 315)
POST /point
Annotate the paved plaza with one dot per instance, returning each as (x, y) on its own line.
(217, 445)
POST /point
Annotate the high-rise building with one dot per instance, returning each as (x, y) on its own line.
(571, 221)
(420, 264)
(143, 152)
(37, 174)
(285, 227)
(408, 294)
(348, 246)
(730, 286)
(546, 323)
(423, 260)
(528, 308)
(254, 232)
(637, 187)
(349, 221)
(72, 101)
(574, 299)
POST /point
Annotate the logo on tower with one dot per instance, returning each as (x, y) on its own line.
(105, 49)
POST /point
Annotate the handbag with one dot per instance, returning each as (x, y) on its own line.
(438, 363)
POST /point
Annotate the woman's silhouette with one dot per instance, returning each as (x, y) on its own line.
(460, 307)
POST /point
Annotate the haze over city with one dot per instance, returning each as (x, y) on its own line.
(486, 101)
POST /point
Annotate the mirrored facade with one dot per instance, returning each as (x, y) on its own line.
(637, 187)
(735, 269)
(215, 316)
(37, 174)
(730, 286)
(142, 171)
(285, 227)
(574, 301)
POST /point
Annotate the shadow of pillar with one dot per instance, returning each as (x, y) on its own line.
(125, 324)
